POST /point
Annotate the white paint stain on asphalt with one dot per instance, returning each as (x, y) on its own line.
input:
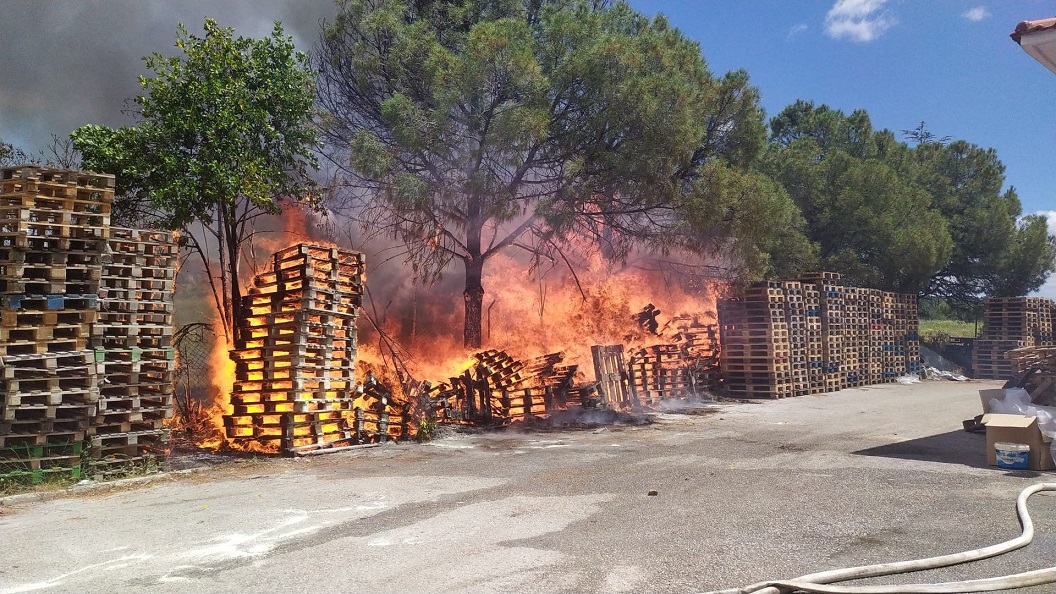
(120, 562)
(239, 545)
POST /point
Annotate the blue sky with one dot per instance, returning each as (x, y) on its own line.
(949, 64)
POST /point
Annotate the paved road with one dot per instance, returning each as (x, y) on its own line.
(744, 493)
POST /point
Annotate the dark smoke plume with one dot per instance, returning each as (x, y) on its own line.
(67, 63)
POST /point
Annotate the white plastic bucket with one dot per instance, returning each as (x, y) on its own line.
(1012, 456)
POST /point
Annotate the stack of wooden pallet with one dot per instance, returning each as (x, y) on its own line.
(53, 229)
(132, 339)
(295, 388)
(699, 343)
(796, 318)
(658, 373)
(856, 336)
(907, 332)
(1010, 323)
(892, 352)
(814, 340)
(48, 401)
(837, 336)
(499, 389)
(754, 342)
(874, 360)
(832, 312)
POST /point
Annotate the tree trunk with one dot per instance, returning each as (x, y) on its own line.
(234, 249)
(224, 305)
(474, 296)
(473, 335)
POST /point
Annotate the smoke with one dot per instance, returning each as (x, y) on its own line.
(68, 63)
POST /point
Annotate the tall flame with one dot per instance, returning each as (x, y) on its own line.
(531, 314)
(527, 312)
(222, 375)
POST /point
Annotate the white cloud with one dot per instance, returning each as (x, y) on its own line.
(797, 29)
(976, 14)
(858, 20)
(1051, 215)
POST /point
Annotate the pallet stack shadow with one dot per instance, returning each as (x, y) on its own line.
(815, 335)
(1010, 323)
(53, 229)
(295, 388)
(132, 338)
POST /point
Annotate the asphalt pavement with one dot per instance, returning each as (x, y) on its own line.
(714, 497)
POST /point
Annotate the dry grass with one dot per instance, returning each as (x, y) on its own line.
(192, 422)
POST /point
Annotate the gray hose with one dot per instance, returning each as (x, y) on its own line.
(817, 582)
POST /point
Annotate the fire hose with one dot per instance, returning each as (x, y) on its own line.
(819, 582)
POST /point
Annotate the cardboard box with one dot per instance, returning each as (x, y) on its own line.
(987, 395)
(1018, 429)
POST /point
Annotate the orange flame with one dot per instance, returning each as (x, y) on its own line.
(530, 314)
(525, 313)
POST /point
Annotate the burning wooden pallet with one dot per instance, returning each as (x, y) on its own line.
(614, 387)
(500, 389)
(659, 372)
(295, 387)
(699, 342)
(684, 368)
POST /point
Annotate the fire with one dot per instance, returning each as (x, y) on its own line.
(528, 311)
(531, 314)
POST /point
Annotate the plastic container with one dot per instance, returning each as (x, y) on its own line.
(1012, 456)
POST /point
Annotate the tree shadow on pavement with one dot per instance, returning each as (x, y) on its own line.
(955, 447)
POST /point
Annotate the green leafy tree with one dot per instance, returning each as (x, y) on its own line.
(465, 128)
(997, 251)
(869, 220)
(931, 219)
(921, 135)
(225, 134)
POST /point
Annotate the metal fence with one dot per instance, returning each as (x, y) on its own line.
(194, 343)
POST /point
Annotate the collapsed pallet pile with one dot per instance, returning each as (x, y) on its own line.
(1035, 369)
(1010, 323)
(498, 389)
(54, 250)
(815, 335)
(680, 369)
(295, 388)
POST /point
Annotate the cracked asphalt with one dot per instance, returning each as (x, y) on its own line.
(743, 493)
